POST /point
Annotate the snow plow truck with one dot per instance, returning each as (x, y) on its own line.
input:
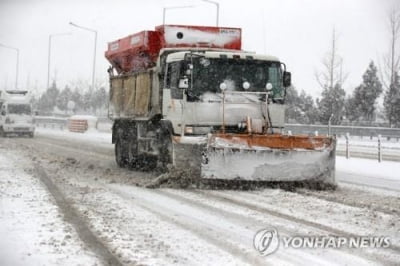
(190, 97)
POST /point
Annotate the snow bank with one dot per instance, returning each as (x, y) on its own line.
(369, 168)
(367, 142)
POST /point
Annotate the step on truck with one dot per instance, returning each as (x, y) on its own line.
(190, 97)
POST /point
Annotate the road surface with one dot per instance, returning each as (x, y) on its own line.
(197, 226)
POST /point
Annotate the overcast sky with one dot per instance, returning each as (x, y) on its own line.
(297, 31)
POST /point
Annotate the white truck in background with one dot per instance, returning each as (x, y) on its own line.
(16, 116)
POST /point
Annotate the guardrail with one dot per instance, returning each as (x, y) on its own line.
(61, 123)
(51, 122)
(371, 132)
(384, 132)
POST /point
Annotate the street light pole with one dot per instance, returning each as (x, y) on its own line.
(17, 65)
(172, 7)
(49, 54)
(17, 70)
(95, 48)
(217, 5)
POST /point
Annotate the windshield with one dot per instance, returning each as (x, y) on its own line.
(19, 109)
(209, 73)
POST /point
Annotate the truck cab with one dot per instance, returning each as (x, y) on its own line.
(16, 117)
(196, 83)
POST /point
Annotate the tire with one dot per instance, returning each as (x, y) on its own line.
(133, 156)
(121, 153)
(2, 134)
(165, 151)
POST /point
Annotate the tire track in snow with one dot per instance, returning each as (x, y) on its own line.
(292, 218)
(72, 217)
(194, 197)
(341, 196)
(104, 155)
(216, 224)
(207, 232)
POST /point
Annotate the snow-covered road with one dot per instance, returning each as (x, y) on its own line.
(32, 228)
(357, 171)
(385, 174)
(204, 227)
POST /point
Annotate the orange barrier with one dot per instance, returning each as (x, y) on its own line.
(77, 125)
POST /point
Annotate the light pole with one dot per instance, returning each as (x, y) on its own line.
(49, 54)
(217, 5)
(172, 7)
(95, 47)
(17, 66)
(329, 124)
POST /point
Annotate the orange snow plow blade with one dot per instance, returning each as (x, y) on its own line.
(274, 141)
(270, 158)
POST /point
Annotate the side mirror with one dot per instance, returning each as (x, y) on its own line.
(36, 113)
(3, 113)
(287, 79)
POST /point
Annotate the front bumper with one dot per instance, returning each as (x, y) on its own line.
(18, 129)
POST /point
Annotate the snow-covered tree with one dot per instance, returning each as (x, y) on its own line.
(362, 104)
(47, 101)
(352, 109)
(300, 108)
(87, 100)
(392, 102)
(77, 98)
(331, 104)
(307, 105)
(63, 98)
(99, 99)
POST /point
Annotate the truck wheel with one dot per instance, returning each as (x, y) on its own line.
(165, 156)
(121, 153)
(133, 153)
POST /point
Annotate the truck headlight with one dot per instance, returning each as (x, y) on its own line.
(188, 130)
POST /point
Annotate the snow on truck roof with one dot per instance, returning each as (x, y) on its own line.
(178, 56)
(15, 96)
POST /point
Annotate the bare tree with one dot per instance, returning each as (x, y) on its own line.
(332, 72)
(391, 61)
(390, 71)
(331, 79)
